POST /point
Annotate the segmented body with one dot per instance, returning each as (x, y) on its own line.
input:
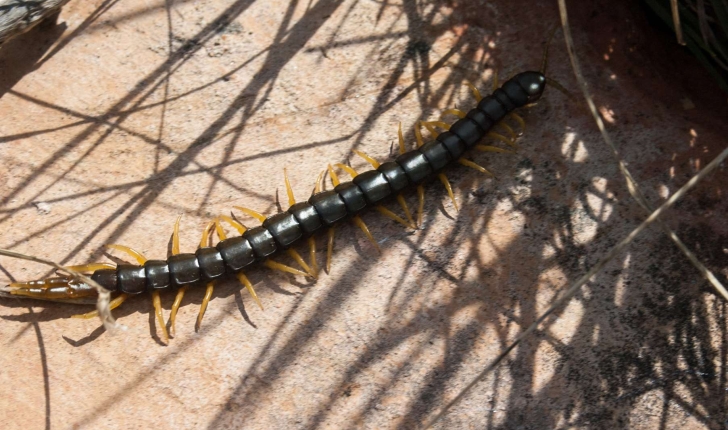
(328, 208)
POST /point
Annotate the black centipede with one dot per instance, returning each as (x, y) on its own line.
(303, 221)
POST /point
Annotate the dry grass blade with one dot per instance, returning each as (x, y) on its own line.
(676, 22)
(102, 303)
(632, 185)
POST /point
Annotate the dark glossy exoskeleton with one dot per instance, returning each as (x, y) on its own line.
(328, 208)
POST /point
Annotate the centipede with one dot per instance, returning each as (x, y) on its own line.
(320, 215)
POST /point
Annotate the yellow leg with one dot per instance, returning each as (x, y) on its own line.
(418, 134)
(347, 169)
(283, 268)
(421, 207)
(218, 229)
(175, 236)
(118, 300)
(495, 80)
(477, 167)
(507, 141)
(330, 248)
(245, 281)
(160, 318)
(391, 215)
(402, 148)
(317, 187)
(369, 159)
(360, 223)
(448, 187)
(430, 126)
(312, 256)
(236, 225)
(175, 308)
(203, 307)
(301, 262)
(313, 269)
(487, 148)
(289, 190)
(508, 130)
(141, 259)
(406, 210)
(92, 267)
(457, 112)
(204, 241)
(475, 91)
(521, 122)
(333, 176)
(257, 215)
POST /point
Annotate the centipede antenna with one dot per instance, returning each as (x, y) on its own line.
(347, 169)
(471, 164)
(257, 215)
(400, 137)
(545, 60)
(405, 208)
(418, 134)
(521, 122)
(507, 141)
(362, 225)
(91, 267)
(488, 148)
(283, 268)
(457, 112)
(330, 248)
(301, 262)
(175, 307)
(391, 215)
(175, 236)
(160, 318)
(421, 206)
(289, 190)
(141, 259)
(475, 91)
(312, 256)
(203, 307)
(448, 187)
(369, 159)
(113, 304)
(245, 281)
(560, 87)
(333, 176)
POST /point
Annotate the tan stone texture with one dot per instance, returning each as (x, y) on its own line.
(123, 115)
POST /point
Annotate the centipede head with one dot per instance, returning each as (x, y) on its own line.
(534, 83)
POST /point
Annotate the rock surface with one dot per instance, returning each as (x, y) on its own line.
(127, 114)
